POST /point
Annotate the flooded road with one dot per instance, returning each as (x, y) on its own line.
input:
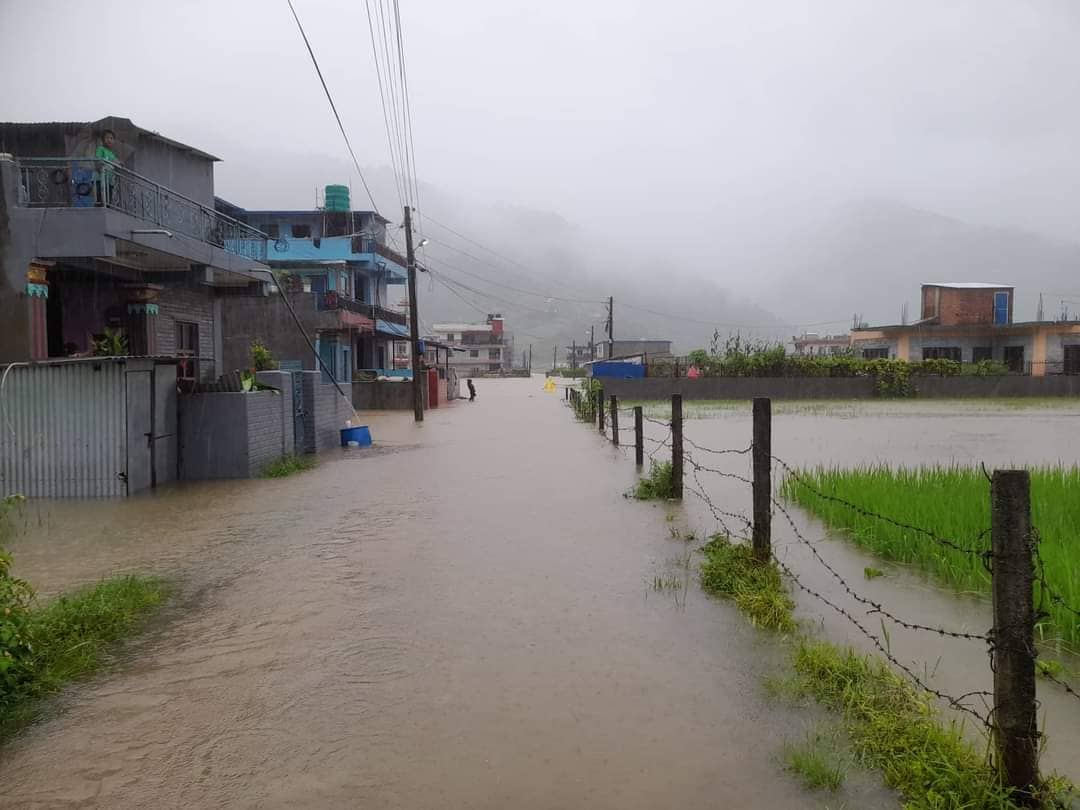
(463, 618)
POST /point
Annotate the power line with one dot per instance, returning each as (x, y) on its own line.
(411, 154)
(382, 100)
(508, 286)
(333, 106)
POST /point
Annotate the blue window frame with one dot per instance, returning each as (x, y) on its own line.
(1001, 307)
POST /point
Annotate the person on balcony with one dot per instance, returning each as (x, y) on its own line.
(105, 180)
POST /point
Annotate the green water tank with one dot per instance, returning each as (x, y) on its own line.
(337, 198)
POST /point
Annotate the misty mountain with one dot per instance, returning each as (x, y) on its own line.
(870, 257)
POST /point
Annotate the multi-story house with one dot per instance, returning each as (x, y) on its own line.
(579, 354)
(970, 322)
(334, 268)
(109, 236)
(479, 348)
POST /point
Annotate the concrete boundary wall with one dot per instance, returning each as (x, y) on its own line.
(229, 435)
(384, 396)
(839, 387)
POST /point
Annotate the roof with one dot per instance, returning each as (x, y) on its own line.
(391, 329)
(968, 285)
(461, 327)
(990, 327)
(298, 212)
(113, 122)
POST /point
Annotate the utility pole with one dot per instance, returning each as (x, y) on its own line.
(610, 325)
(554, 355)
(592, 342)
(414, 321)
(573, 356)
(530, 358)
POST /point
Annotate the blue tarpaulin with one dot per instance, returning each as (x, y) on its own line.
(622, 371)
(396, 330)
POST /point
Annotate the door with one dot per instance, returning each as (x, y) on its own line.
(1014, 359)
(1072, 359)
(1001, 307)
(140, 425)
(163, 450)
(328, 354)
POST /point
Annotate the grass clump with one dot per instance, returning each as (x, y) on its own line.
(658, 485)
(67, 639)
(954, 503)
(1049, 668)
(287, 465)
(730, 570)
(43, 646)
(872, 573)
(893, 728)
(816, 762)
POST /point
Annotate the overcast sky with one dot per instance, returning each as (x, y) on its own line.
(698, 119)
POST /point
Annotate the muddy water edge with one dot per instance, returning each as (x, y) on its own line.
(464, 617)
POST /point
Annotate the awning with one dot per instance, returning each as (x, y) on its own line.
(394, 330)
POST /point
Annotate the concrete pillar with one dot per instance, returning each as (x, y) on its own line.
(37, 298)
(1038, 353)
(141, 321)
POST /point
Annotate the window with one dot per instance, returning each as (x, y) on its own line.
(474, 352)
(272, 230)
(187, 349)
(301, 231)
(1001, 307)
(875, 354)
(981, 353)
(449, 337)
(941, 353)
(493, 354)
(493, 367)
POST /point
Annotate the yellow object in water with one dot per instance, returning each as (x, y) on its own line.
(549, 385)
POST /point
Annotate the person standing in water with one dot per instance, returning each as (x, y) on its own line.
(472, 389)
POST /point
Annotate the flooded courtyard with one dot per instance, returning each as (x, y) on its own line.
(465, 617)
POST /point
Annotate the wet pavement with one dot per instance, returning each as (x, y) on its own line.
(465, 618)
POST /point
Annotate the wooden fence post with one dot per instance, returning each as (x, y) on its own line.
(639, 436)
(614, 420)
(1016, 733)
(600, 410)
(762, 451)
(676, 447)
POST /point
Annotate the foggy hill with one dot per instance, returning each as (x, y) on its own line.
(871, 256)
(538, 252)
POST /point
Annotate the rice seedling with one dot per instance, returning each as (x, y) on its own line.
(658, 485)
(953, 503)
(816, 761)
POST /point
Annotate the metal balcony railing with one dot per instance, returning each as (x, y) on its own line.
(88, 183)
(331, 300)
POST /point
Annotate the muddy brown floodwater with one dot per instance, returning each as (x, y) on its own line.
(462, 618)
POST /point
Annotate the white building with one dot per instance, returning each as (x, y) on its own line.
(488, 347)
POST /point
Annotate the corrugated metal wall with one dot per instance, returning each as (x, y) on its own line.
(63, 430)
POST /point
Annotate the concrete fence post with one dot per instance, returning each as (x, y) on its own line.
(614, 420)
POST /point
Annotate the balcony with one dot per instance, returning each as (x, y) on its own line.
(85, 183)
(330, 300)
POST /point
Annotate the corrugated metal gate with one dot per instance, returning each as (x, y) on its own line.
(87, 428)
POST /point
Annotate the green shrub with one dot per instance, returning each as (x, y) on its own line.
(16, 597)
(262, 359)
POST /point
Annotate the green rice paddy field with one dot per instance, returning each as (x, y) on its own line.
(952, 503)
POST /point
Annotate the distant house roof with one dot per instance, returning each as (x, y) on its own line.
(461, 327)
(968, 285)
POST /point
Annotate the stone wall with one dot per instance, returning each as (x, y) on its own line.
(839, 387)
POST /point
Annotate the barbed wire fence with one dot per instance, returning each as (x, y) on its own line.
(1021, 593)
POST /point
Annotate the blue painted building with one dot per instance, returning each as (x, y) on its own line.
(343, 281)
